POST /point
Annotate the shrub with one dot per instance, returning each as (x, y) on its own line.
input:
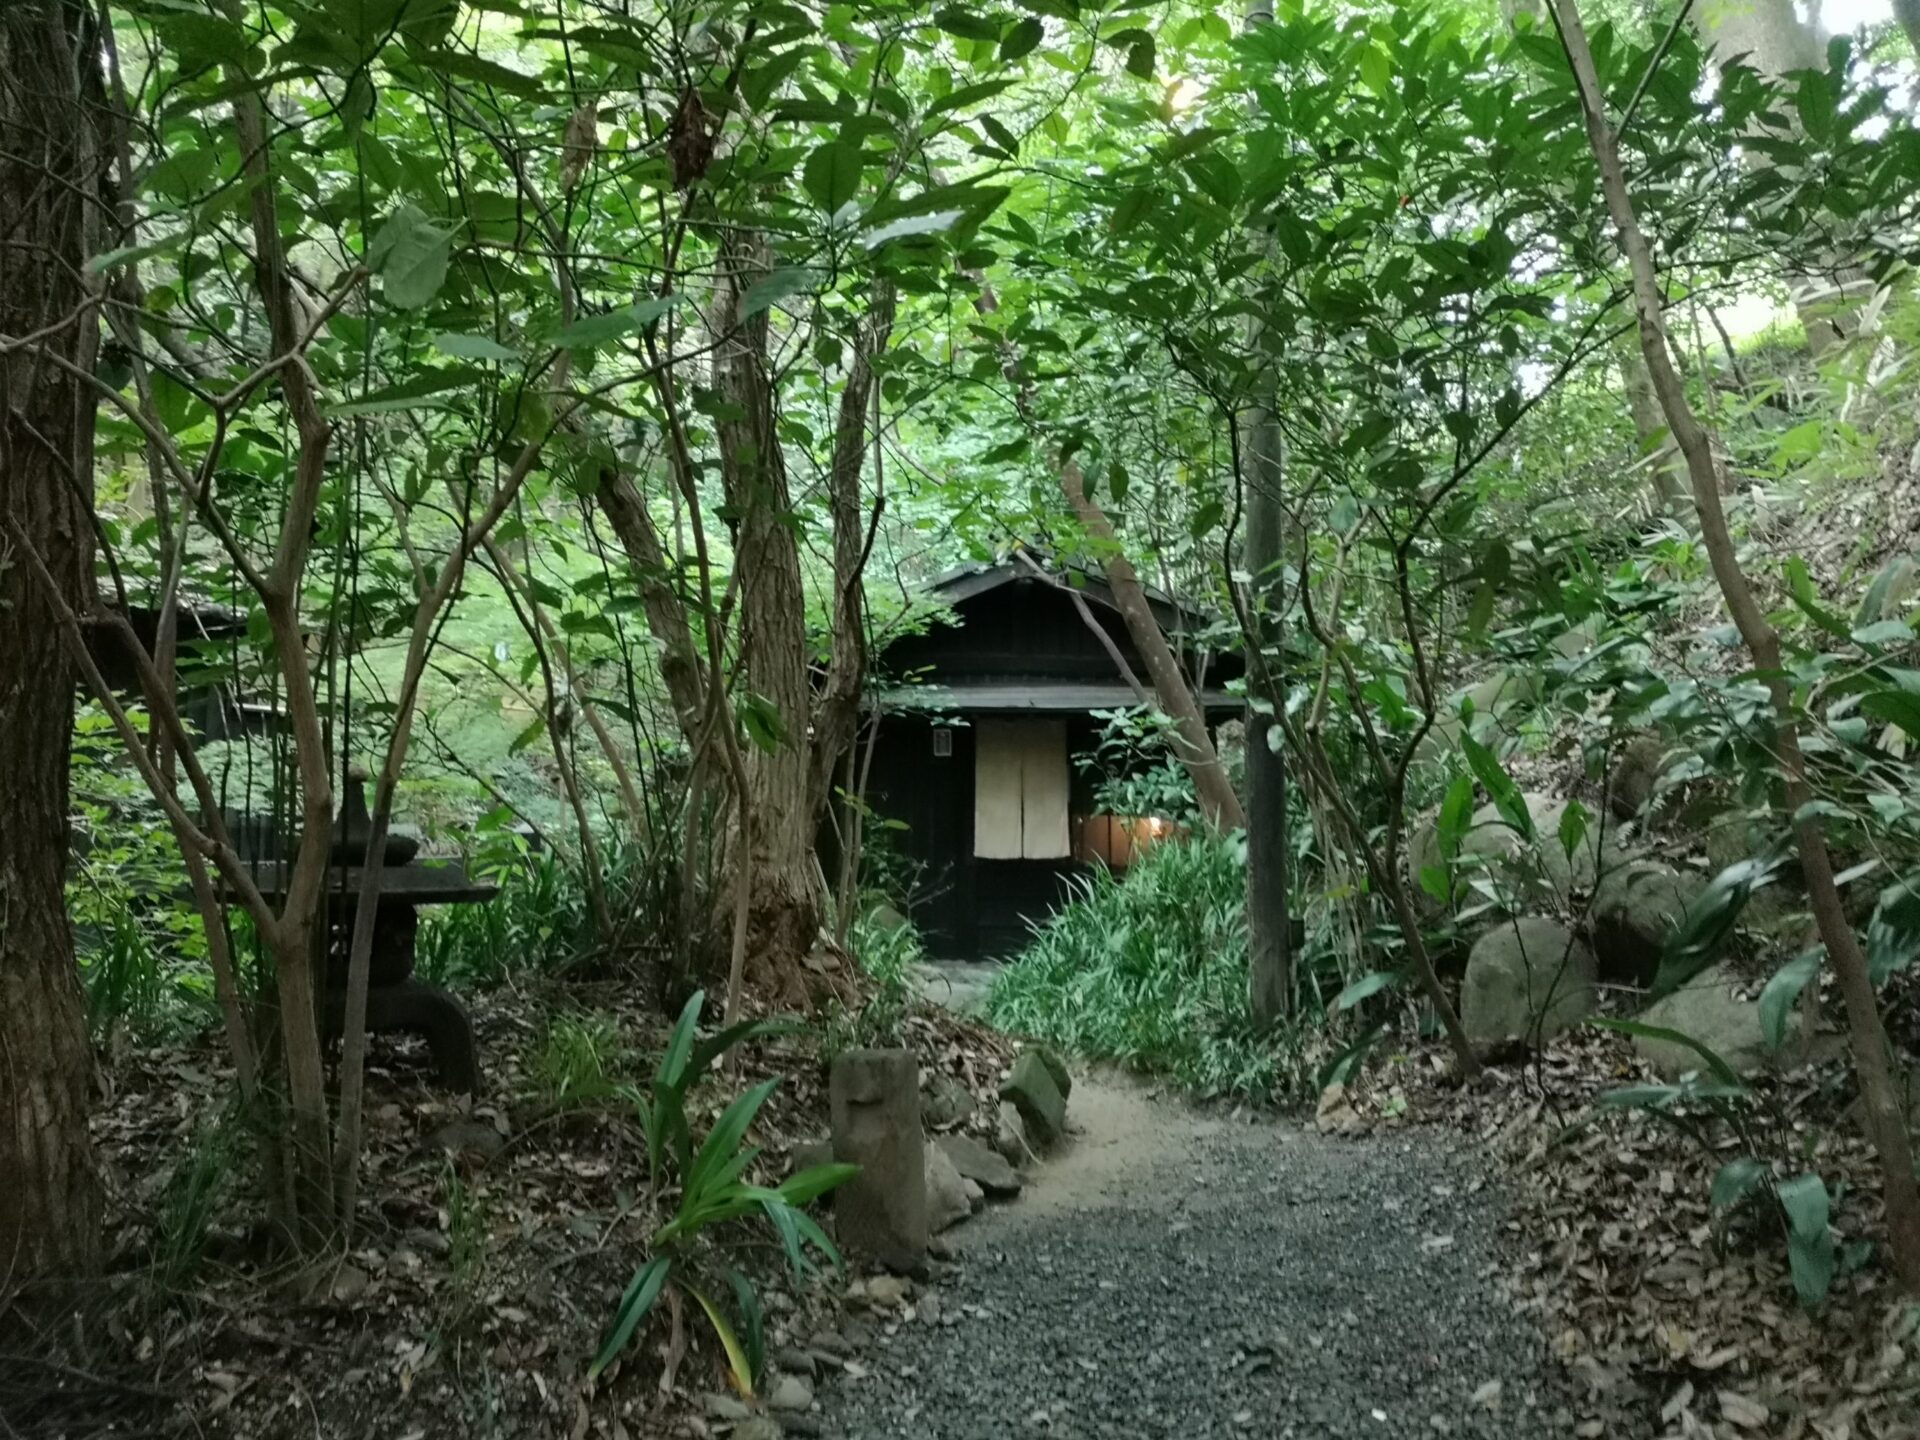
(1151, 971)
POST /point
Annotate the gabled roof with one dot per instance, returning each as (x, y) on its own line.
(967, 581)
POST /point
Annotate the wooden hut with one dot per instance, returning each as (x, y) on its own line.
(981, 718)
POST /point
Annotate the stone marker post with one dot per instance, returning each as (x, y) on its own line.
(882, 1212)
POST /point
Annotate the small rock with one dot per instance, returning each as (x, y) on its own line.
(976, 1199)
(929, 1309)
(349, 1284)
(1036, 1094)
(1335, 1115)
(975, 1162)
(792, 1394)
(945, 1102)
(470, 1142)
(888, 1292)
(800, 1362)
(947, 1203)
(725, 1407)
(760, 1427)
(1010, 1138)
(830, 1342)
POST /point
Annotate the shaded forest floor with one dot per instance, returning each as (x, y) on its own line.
(1417, 1261)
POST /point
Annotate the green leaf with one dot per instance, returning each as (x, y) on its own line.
(754, 1321)
(1376, 70)
(810, 1184)
(966, 24)
(1800, 586)
(1811, 1252)
(933, 224)
(1893, 934)
(473, 347)
(1777, 999)
(527, 736)
(723, 1141)
(648, 1281)
(774, 287)
(1573, 827)
(832, 174)
(1709, 923)
(739, 1365)
(1141, 58)
(1499, 785)
(1897, 707)
(1736, 1180)
(1720, 1069)
(615, 324)
(414, 394)
(1367, 985)
(1884, 632)
(1023, 38)
(410, 255)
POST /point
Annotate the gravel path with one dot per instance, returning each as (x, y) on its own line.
(1173, 1275)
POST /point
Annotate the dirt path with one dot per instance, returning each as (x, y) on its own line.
(1174, 1274)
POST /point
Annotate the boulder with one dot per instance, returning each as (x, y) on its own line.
(1635, 774)
(1036, 1095)
(1527, 980)
(975, 1162)
(1636, 907)
(1712, 1009)
(947, 1203)
(1492, 850)
(881, 1213)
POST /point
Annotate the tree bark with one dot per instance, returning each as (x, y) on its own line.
(1879, 1094)
(51, 166)
(1269, 918)
(1775, 41)
(784, 916)
(1217, 800)
(837, 711)
(1269, 911)
(1650, 428)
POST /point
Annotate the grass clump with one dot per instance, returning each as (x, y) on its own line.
(1150, 970)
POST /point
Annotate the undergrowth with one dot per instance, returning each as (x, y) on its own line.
(1151, 971)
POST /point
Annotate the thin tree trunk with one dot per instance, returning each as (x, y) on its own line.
(837, 710)
(1215, 792)
(1217, 800)
(50, 166)
(1269, 918)
(1650, 428)
(1879, 1094)
(1269, 909)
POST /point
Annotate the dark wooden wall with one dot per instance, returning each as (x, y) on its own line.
(965, 908)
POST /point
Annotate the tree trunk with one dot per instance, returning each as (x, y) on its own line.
(1650, 428)
(1217, 800)
(837, 713)
(1269, 913)
(784, 916)
(1269, 918)
(1880, 1095)
(1907, 12)
(50, 169)
(1775, 41)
